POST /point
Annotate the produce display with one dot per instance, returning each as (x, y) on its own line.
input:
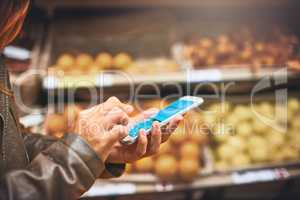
(244, 48)
(241, 138)
(85, 64)
(179, 159)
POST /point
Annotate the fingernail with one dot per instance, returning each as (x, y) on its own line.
(129, 108)
(143, 132)
(156, 125)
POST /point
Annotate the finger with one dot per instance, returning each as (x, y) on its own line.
(116, 116)
(145, 115)
(171, 127)
(116, 134)
(155, 140)
(115, 102)
(142, 142)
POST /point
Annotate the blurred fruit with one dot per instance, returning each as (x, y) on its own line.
(165, 148)
(266, 109)
(188, 169)
(240, 160)
(55, 123)
(66, 62)
(287, 153)
(128, 168)
(237, 143)
(104, 60)
(144, 165)
(275, 138)
(222, 165)
(206, 43)
(84, 61)
(58, 134)
(122, 61)
(244, 129)
(259, 126)
(179, 136)
(225, 152)
(293, 104)
(201, 137)
(190, 150)
(166, 167)
(242, 112)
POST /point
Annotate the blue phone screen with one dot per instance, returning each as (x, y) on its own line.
(161, 116)
(172, 109)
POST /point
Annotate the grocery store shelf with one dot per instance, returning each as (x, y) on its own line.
(117, 187)
(188, 76)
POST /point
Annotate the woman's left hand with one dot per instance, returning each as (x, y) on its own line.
(145, 145)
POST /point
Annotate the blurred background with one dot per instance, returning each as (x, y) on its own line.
(241, 56)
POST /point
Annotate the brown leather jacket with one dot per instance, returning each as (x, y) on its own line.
(38, 167)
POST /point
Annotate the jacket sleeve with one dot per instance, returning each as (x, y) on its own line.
(64, 170)
(36, 143)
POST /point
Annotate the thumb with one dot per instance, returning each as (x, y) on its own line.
(116, 134)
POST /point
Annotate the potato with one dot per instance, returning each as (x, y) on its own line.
(232, 121)
(240, 160)
(128, 168)
(244, 129)
(293, 104)
(165, 148)
(188, 169)
(144, 165)
(258, 149)
(256, 142)
(166, 167)
(55, 123)
(295, 122)
(260, 154)
(225, 152)
(222, 165)
(259, 127)
(104, 60)
(122, 61)
(179, 136)
(238, 143)
(84, 61)
(222, 133)
(65, 62)
(190, 150)
(266, 109)
(276, 139)
(201, 138)
(242, 112)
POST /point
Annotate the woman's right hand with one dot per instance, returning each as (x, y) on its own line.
(104, 125)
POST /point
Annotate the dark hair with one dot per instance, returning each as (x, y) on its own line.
(12, 14)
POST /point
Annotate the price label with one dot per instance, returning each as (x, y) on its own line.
(111, 189)
(259, 176)
(195, 76)
(51, 82)
(32, 120)
(164, 187)
(104, 79)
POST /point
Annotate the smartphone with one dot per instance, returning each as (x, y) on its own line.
(164, 116)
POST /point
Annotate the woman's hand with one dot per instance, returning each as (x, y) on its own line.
(104, 125)
(144, 146)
